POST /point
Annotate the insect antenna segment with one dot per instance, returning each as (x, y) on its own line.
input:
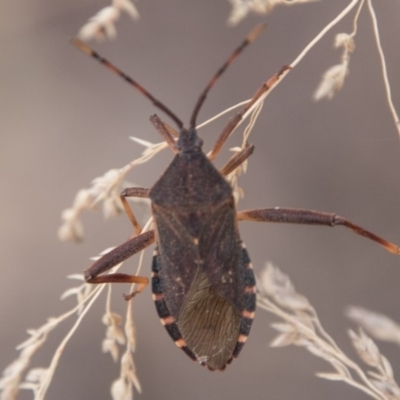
(157, 103)
(249, 38)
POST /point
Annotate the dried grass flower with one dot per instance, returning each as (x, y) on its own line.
(241, 8)
(302, 327)
(102, 25)
(377, 325)
(332, 81)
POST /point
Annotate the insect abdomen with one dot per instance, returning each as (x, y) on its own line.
(163, 312)
(209, 328)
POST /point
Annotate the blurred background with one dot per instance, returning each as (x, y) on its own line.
(65, 120)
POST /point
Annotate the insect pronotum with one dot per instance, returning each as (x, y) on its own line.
(202, 279)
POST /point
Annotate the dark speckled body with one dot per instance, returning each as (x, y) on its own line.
(203, 283)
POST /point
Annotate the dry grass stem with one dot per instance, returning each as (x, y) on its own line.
(383, 67)
(222, 113)
(306, 50)
(333, 79)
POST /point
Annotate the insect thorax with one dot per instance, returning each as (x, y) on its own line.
(191, 180)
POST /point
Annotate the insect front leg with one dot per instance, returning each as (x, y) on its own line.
(310, 217)
(238, 159)
(167, 133)
(133, 192)
(115, 257)
(234, 122)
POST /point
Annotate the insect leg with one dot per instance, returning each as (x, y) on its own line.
(299, 216)
(116, 256)
(166, 132)
(234, 122)
(236, 160)
(133, 192)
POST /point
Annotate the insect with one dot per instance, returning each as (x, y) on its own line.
(202, 279)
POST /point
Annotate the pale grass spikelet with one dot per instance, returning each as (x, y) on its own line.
(130, 328)
(332, 81)
(102, 25)
(366, 348)
(122, 388)
(128, 7)
(110, 346)
(278, 285)
(346, 41)
(34, 378)
(377, 325)
(301, 327)
(390, 390)
(240, 8)
(288, 335)
(114, 334)
(106, 189)
(72, 228)
(382, 373)
(112, 206)
(10, 382)
(38, 379)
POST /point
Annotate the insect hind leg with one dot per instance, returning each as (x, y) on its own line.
(238, 159)
(117, 256)
(311, 217)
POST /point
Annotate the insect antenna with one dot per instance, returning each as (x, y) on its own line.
(157, 103)
(249, 38)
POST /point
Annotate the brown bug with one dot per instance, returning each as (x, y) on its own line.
(202, 279)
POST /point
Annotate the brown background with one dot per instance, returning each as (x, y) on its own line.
(65, 120)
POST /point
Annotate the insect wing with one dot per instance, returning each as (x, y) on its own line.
(201, 275)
